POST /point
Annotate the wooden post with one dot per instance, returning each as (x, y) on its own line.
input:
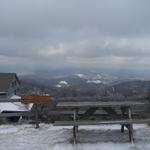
(75, 128)
(74, 135)
(122, 128)
(148, 98)
(36, 117)
(123, 110)
(130, 125)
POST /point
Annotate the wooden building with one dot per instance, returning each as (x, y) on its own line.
(9, 85)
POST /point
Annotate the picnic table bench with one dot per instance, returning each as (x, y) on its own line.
(125, 121)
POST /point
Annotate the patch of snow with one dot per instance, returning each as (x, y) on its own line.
(8, 130)
(15, 97)
(29, 106)
(98, 76)
(58, 86)
(62, 84)
(94, 81)
(95, 77)
(14, 106)
(80, 75)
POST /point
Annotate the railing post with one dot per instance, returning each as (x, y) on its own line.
(130, 125)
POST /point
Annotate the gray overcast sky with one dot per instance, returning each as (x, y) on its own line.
(47, 34)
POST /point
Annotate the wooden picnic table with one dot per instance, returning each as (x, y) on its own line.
(108, 106)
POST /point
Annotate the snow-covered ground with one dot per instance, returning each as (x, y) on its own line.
(48, 137)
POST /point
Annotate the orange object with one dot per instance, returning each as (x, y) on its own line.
(35, 99)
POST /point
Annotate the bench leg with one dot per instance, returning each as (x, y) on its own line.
(75, 135)
(123, 111)
(122, 128)
(75, 128)
(130, 126)
(131, 133)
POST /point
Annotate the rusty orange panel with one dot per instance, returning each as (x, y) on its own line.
(35, 99)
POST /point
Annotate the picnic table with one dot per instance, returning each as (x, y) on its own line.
(91, 106)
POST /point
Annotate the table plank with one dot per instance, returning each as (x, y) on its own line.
(126, 121)
(91, 98)
(100, 104)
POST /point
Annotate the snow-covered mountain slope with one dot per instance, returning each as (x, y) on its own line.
(62, 84)
(94, 81)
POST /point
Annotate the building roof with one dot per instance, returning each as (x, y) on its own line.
(5, 80)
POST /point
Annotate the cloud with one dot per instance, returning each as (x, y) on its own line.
(48, 34)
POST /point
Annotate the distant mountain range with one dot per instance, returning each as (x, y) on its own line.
(84, 84)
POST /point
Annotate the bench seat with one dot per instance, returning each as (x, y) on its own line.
(121, 122)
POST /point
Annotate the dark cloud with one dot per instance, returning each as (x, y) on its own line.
(38, 34)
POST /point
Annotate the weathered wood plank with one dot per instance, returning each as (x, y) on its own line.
(91, 98)
(100, 104)
(16, 114)
(127, 121)
(97, 113)
(3, 100)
